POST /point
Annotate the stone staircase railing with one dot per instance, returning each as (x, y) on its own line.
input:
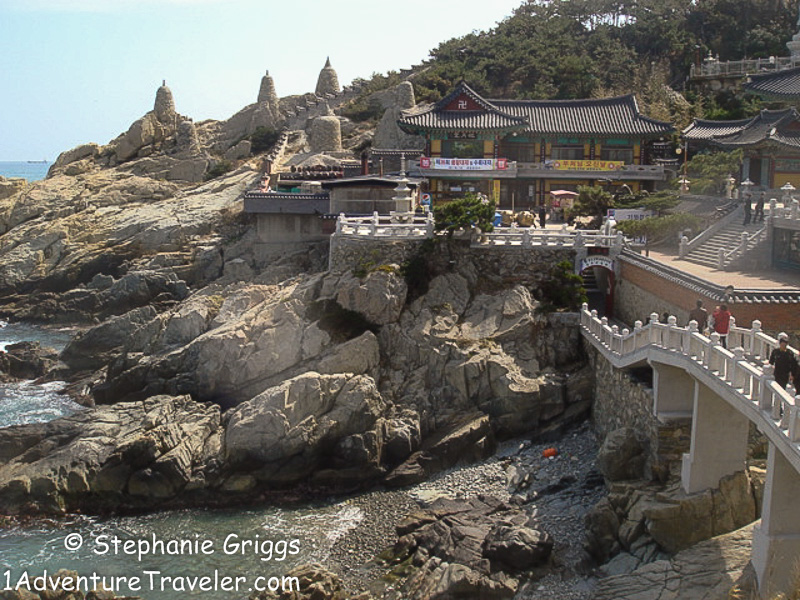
(740, 68)
(740, 375)
(686, 245)
(746, 243)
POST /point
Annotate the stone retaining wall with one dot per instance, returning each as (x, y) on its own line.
(490, 268)
(349, 253)
(621, 401)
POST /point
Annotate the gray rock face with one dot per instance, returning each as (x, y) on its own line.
(644, 519)
(388, 134)
(134, 454)
(266, 94)
(76, 154)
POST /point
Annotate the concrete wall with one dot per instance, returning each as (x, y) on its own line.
(362, 200)
(289, 229)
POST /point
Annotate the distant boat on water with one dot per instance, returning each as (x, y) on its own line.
(37, 162)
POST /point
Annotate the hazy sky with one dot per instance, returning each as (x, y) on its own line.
(77, 71)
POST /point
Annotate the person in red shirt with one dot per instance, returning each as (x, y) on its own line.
(722, 323)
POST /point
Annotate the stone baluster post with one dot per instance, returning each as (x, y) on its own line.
(773, 204)
(688, 345)
(625, 336)
(526, 238)
(764, 391)
(429, 225)
(743, 244)
(721, 259)
(578, 240)
(340, 223)
(672, 324)
(637, 334)
(653, 328)
(737, 372)
(683, 247)
(712, 357)
(795, 209)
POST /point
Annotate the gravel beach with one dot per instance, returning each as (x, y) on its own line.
(558, 491)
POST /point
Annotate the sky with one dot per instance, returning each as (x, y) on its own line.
(78, 71)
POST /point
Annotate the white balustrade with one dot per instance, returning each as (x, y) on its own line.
(743, 369)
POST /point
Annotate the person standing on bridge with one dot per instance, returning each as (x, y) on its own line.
(722, 323)
(784, 361)
(700, 315)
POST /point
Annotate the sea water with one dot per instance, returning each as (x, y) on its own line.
(250, 543)
(32, 171)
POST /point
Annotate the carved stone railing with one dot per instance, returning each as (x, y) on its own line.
(740, 68)
(746, 243)
(686, 245)
(386, 226)
(528, 237)
(741, 375)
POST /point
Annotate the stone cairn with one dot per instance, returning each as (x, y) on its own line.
(164, 106)
(266, 93)
(328, 81)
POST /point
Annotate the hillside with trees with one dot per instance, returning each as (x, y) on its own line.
(561, 49)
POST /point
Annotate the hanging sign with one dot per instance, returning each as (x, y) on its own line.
(464, 164)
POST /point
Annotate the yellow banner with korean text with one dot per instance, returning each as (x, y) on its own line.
(587, 165)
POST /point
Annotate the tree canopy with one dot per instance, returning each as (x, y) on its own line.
(595, 48)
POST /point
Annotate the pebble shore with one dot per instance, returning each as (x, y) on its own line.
(558, 491)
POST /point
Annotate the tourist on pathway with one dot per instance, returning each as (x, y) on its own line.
(722, 323)
(759, 214)
(748, 209)
(542, 215)
(700, 315)
(784, 361)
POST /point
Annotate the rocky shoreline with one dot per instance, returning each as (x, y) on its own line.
(558, 494)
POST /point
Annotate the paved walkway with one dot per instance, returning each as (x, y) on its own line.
(762, 280)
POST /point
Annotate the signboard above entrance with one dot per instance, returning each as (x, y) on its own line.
(587, 165)
(464, 164)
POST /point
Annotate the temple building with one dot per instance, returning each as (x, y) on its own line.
(519, 151)
(770, 142)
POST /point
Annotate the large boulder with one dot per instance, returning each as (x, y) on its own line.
(307, 423)
(468, 439)
(622, 455)
(379, 297)
(469, 549)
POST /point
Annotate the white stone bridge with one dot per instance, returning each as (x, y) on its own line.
(723, 391)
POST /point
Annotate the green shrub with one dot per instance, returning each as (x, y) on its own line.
(465, 213)
(563, 289)
(218, 169)
(263, 138)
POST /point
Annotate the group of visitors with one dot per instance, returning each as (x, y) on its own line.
(781, 358)
(748, 208)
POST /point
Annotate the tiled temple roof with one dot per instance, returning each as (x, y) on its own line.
(781, 127)
(780, 85)
(609, 116)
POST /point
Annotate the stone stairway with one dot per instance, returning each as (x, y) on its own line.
(728, 238)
